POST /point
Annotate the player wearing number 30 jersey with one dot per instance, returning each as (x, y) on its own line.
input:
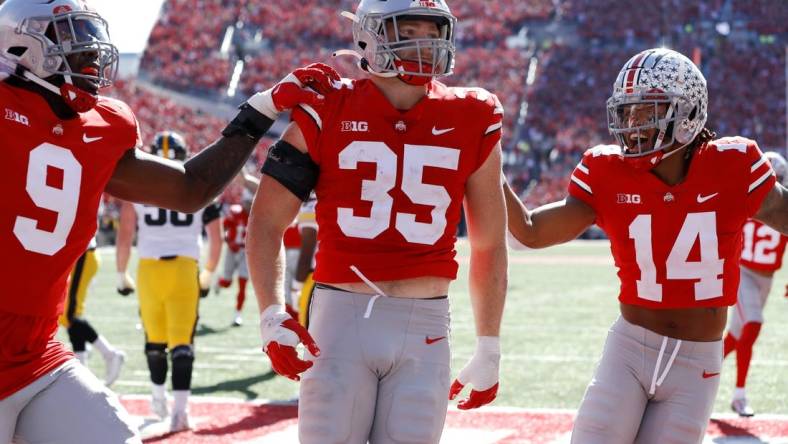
(391, 159)
(673, 202)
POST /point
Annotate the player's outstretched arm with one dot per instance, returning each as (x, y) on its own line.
(147, 179)
(486, 214)
(275, 207)
(774, 209)
(550, 224)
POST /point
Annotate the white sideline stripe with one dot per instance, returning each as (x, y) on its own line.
(490, 409)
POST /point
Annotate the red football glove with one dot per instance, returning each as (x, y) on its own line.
(281, 334)
(291, 91)
(481, 372)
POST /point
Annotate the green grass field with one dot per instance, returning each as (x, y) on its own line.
(560, 304)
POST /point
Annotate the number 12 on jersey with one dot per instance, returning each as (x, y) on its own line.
(696, 226)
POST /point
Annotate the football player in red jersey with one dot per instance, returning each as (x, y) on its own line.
(64, 145)
(234, 225)
(673, 202)
(391, 158)
(762, 255)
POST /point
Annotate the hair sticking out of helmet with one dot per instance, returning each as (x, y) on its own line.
(779, 165)
(54, 43)
(169, 145)
(384, 51)
(658, 106)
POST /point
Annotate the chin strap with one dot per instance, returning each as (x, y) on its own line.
(76, 99)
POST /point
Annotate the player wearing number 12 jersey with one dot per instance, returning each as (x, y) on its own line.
(391, 159)
(762, 255)
(63, 146)
(673, 203)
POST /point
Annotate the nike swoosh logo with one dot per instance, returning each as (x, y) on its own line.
(437, 132)
(709, 375)
(430, 340)
(702, 198)
(87, 139)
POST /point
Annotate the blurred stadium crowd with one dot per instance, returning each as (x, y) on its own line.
(552, 63)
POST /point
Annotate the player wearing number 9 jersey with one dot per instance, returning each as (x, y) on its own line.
(63, 145)
(673, 203)
(391, 158)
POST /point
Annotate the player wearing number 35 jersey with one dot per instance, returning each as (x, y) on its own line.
(673, 202)
(63, 145)
(391, 159)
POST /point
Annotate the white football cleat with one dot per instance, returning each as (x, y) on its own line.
(237, 319)
(180, 421)
(114, 364)
(742, 407)
(159, 406)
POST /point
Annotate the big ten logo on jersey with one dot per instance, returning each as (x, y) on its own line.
(16, 117)
(157, 217)
(355, 126)
(623, 198)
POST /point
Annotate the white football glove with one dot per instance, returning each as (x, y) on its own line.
(281, 334)
(481, 372)
(125, 283)
(290, 91)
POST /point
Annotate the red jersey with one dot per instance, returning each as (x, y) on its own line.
(235, 228)
(392, 182)
(292, 237)
(763, 247)
(676, 246)
(54, 172)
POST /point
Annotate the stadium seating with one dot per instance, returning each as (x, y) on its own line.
(577, 62)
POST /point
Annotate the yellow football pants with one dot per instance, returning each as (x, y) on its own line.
(78, 283)
(169, 295)
(304, 300)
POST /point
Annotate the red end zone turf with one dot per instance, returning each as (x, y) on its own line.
(231, 421)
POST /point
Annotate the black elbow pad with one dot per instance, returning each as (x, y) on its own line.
(295, 170)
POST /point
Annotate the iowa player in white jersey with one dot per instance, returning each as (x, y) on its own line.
(168, 246)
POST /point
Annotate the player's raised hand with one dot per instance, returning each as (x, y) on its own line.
(481, 372)
(307, 85)
(281, 334)
(125, 284)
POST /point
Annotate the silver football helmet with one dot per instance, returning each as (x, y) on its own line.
(676, 89)
(40, 35)
(379, 49)
(779, 165)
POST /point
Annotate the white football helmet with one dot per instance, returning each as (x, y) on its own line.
(38, 36)
(779, 165)
(664, 79)
(379, 51)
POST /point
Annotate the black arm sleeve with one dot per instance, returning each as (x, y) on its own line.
(295, 170)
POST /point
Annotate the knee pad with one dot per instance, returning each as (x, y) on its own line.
(156, 355)
(81, 332)
(182, 362)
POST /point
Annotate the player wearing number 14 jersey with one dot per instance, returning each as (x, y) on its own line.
(391, 159)
(63, 145)
(673, 202)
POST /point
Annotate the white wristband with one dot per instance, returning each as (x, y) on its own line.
(488, 344)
